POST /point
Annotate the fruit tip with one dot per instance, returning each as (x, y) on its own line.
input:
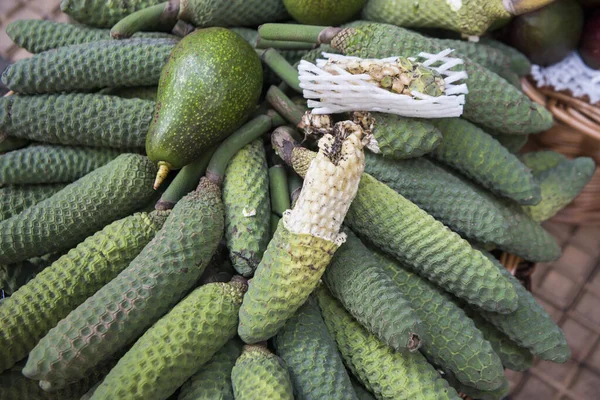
(161, 175)
(118, 35)
(414, 342)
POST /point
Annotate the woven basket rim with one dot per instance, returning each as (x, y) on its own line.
(574, 112)
(576, 133)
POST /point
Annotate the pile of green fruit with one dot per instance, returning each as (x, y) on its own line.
(176, 225)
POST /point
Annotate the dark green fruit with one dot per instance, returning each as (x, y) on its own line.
(589, 3)
(323, 12)
(208, 88)
(549, 34)
(589, 48)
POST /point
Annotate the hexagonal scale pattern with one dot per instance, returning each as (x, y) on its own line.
(140, 295)
(79, 210)
(176, 346)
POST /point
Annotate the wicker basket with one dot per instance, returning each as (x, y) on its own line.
(576, 132)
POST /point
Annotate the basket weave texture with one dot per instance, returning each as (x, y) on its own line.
(576, 133)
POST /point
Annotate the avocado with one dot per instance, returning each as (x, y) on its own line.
(207, 89)
(549, 34)
(323, 12)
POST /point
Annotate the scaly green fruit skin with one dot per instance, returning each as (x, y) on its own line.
(512, 143)
(323, 12)
(139, 92)
(288, 272)
(46, 163)
(450, 339)
(213, 380)
(143, 292)
(487, 56)
(450, 200)
(530, 326)
(525, 237)
(64, 285)
(77, 119)
(13, 386)
(313, 54)
(13, 276)
(399, 137)
(177, 345)
(512, 78)
(402, 229)
(14, 199)
(102, 13)
(247, 207)
(540, 161)
(36, 36)
(496, 394)
(560, 185)
(260, 374)
(372, 297)
(383, 371)
(491, 101)
(82, 208)
(94, 65)
(513, 356)
(519, 62)
(205, 13)
(207, 89)
(471, 17)
(311, 356)
(479, 156)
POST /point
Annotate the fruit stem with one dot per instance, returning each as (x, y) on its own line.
(284, 106)
(281, 67)
(283, 142)
(278, 185)
(186, 180)
(161, 175)
(298, 33)
(252, 130)
(262, 43)
(161, 17)
(274, 222)
(294, 186)
(518, 7)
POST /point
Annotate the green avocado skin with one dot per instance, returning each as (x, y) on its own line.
(207, 89)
